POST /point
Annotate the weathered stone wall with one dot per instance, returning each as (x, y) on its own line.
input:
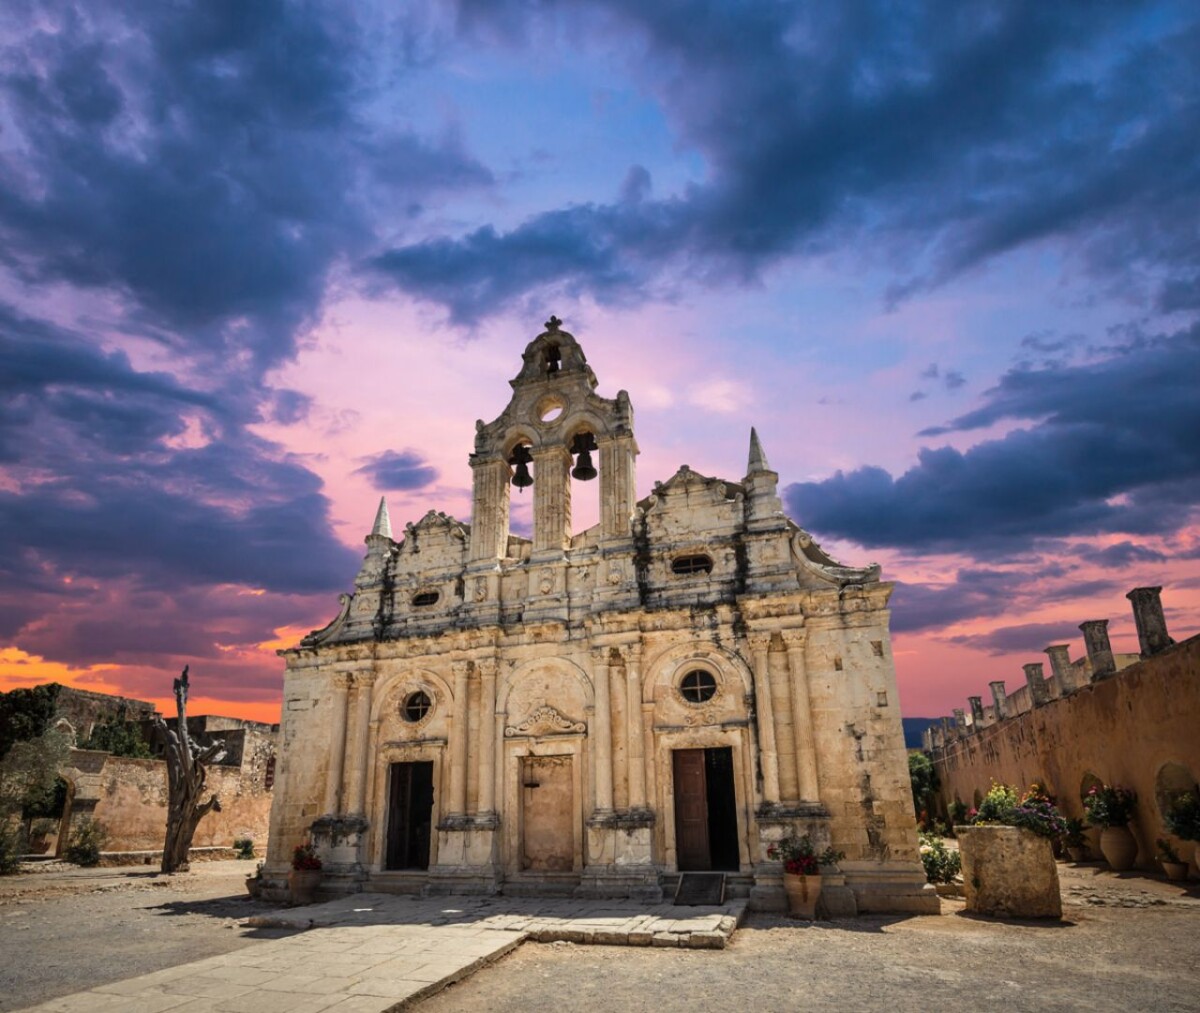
(1139, 728)
(129, 796)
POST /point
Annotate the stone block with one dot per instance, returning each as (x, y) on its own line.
(1009, 872)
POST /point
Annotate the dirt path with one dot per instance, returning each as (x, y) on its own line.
(64, 929)
(1127, 943)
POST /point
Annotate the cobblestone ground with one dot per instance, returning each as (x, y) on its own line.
(1126, 943)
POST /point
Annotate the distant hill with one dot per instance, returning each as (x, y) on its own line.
(913, 729)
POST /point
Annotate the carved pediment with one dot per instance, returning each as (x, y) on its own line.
(546, 720)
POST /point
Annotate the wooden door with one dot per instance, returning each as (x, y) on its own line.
(547, 810)
(691, 811)
(410, 815)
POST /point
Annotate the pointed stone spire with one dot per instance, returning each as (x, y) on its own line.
(758, 459)
(383, 523)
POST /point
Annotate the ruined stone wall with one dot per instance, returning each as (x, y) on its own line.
(129, 796)
(1134, 729)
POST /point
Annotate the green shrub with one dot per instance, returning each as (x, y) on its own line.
(1035, 810)
(941, 864)
(1183, 816)
(87, 840)
(997, 804)
(244, 846)
(11, 846)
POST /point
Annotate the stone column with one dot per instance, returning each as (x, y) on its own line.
(363, 683)
(999, 699)
(486, 803)
(458, 739)
(976, 704)
(1038, 693)
(960, 722)
(551, 500)
(634, 736)
(337, 744)
(602, 731)
(802, 727)
(759, 644)
(1150, 621)
(617, 490)
(489, 509)
(1060, 666)
(1099, 651)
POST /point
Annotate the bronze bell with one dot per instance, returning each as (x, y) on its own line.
(521, 458)
(584, 470)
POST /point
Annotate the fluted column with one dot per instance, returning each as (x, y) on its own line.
(759, 645)
(458, 739)
(337, 744)
(602, 731)
(617, 487)
(363, 683)
(802, 726)
(487, 733)
(634, 751)
(489, 509)
(551, 500)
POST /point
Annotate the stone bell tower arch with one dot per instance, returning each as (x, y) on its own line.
(555, 424)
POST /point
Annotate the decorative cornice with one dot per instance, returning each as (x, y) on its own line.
(545, 720)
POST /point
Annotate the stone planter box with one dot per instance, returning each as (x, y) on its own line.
(1009, 872)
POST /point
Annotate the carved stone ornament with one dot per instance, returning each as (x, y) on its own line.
(545, 720)
(614, 577)
(546, 585)
(480, 589)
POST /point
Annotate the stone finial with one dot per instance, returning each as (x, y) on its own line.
(999, 698)
(1099, 650)
(976, 704)
(758, 458)
(383, 523)
(1060, 667)
(1036, 681)
(1149, 619)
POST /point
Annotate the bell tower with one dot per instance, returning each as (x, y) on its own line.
(555, 428)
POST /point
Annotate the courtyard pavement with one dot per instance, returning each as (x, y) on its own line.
(367, 953)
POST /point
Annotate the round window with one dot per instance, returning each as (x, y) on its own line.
(697, 686)
(416, 706)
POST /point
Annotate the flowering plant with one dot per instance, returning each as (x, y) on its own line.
(305, 858)
(800, 857)
(1108, 806)
(1035, 810)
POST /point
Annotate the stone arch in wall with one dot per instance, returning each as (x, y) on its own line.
(1087, 783)
(556, 682)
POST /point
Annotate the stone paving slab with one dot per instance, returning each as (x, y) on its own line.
(369, 953)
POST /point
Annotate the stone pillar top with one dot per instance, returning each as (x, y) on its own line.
(1099, 650)
(1150, 621)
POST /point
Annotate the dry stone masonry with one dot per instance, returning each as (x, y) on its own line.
(592, 714)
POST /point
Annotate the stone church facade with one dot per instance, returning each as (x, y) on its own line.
(670, 690)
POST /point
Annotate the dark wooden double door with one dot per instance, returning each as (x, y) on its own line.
(705, 810)
(410, 815)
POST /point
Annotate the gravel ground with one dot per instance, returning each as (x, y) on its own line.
(1126, 943)
(64, 929)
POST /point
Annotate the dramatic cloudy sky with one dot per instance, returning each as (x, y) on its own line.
(262, 262)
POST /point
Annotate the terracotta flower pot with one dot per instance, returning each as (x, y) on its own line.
(1077, 854)
(303, 885)
(1176, 871)
(802, 895)
(1119, 847)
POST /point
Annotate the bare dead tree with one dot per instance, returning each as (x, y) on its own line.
(186, 773)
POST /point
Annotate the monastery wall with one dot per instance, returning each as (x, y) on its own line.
(1135, 727)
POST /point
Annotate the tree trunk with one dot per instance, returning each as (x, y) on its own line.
(186, 773)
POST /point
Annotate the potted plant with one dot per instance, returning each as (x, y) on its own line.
(1111, 808)
(1074, 840)
(254, 884)
(1183, 818)
(1008, 866)
(1174, 866)
(305, 876)
(802, 872)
